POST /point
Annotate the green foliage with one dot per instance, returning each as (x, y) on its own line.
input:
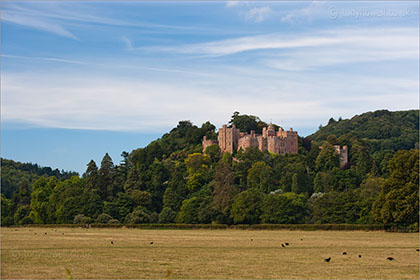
(384, 130)
(82, 219)
(13, 172)
(288, 208)
(172, 180)
(246, 207)
(120, 207)
(5, 210)
(260, 176)
(140, 216)
(337, 208)
(224, 190)
(327, 158)
(113, 222)
(41, 192)
(167, 216)
(398, 202)
(21, 215)
(103, 218)
(213, 151)
(196, 210)
(7, 221)
(198, 167)
(246, 123)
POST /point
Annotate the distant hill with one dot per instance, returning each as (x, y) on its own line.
(382, 129)
(13, 172)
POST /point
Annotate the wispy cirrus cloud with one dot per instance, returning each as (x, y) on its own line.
(312, 9)
(65, 19)
(37, 23)
(322, 48)
(259, 14)
(53, 59)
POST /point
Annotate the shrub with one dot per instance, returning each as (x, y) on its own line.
(113, 222)
(167, 216)
(139, 216)
(82, 219)
(7, 221)
(26, 221)
(103, 218)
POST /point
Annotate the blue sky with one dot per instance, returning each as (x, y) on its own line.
(79, 79)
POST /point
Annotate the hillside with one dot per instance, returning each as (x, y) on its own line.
(14, 172)
(383, 130)
(172, 181)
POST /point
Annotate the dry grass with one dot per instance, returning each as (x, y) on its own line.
(206, 254)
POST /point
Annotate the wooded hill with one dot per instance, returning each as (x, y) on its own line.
(383, 130)
(172, 181)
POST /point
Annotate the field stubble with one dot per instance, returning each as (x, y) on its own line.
(206, 254)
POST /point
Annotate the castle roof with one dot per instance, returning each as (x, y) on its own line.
(271, 126)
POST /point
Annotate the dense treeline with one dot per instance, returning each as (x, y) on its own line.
(172, 181)
(13, 173)
(382, 129)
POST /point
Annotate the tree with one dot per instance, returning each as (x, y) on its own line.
(213, 151)
(22, 214)
(103, 219)
(327, 158)
(167, 216)
(195, 210)
(177, 190)
(120, 207)
(260, 176)
(398, 202)
(106, 178)
(246, 123)
(336, 208)
(6, 219)
(224, 190)
(91, 176)
(198, 167)
(41, 192)
(288, 208)
(246, 207)
(140, 215)
(141, 198)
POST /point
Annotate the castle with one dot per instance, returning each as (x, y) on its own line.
(276, 142)
(344, 156)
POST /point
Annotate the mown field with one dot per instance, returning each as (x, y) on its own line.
(89, 253)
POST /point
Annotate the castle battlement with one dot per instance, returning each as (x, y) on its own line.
(276, 142)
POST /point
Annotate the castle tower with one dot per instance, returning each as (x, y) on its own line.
(228, 138)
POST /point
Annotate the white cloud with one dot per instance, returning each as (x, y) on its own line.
(313, 9)
(87, 101)
(322, 48)
(259, 14)
(37, 23)
(230, 4)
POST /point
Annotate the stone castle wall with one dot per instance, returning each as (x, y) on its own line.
(277, 142)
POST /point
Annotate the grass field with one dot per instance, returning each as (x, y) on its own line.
(30, 253)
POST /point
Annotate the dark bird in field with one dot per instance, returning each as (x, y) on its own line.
(360, 256)
(287, 244)
(390, 258)
(112, 242)
(344, 253)
(328, 259)
(151, 242)
(45, 233)
(282, 245)
(301, 239)
(252, 239)
(417, 250)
